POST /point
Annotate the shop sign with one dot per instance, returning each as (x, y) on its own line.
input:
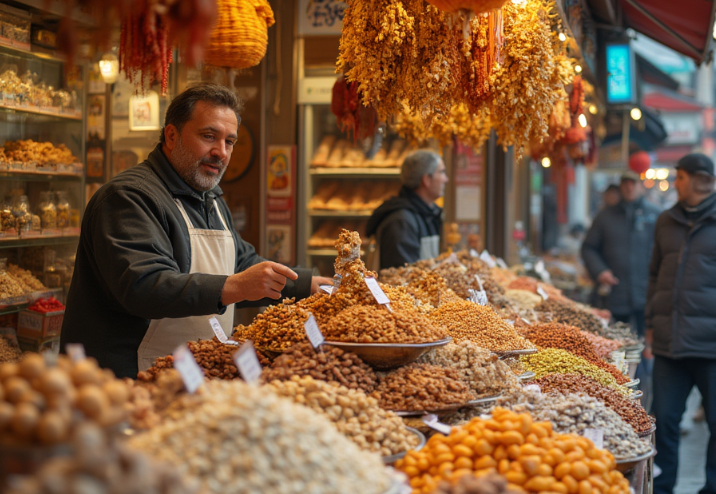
(315, 90)
(320, 17)
(682, 128)
(621, 74)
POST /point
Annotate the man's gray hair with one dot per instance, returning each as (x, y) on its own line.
(418, 164)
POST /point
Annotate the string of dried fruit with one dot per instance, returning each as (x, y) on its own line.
(352, 116)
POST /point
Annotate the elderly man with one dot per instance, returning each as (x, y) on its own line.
(407, 227)
(681, 315)
(158, 254)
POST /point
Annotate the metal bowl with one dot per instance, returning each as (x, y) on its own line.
(441, 412)
(648, 433)
(626, 464)
(632, 384)
(637, 395)
(527, 376)
(389, 460)
(386, 356)
(516, 353)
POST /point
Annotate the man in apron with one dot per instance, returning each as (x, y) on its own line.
(158, 255)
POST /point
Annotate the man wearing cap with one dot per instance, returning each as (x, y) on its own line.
(616, 251)
(681, 315)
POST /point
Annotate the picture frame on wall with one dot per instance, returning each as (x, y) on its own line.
(144, 112)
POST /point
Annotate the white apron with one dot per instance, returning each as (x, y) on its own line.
(212, 252)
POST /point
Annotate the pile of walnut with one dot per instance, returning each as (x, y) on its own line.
(330, 364)
(99, 465)
(355, 414)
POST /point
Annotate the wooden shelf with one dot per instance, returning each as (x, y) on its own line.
(35, 111)
(37, 241)
(39, 176)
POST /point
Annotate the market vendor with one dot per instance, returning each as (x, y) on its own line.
(158, 255)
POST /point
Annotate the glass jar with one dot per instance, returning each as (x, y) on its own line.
(8, 224)
(48, 211)
(63, 210)
(23, 216)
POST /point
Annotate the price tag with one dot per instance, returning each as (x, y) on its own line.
(329, 289)
(477, 297)
(487, 259)
(219, 332)
(533, 387)
(190, 372)
(76, 351)
(501, 263)
(596, 436)
(474, 253)
(452, 258)
(314, 334)
(377, 291)
(542, 293)
(248, 363)
(431, 420)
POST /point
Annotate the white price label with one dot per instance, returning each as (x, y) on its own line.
(533, 387)
(487, 259)
(474, 253)
(377, 291)
(431, 420)
(477, 297)
(328, 289)
(219, 332)
(76, 351)
(501, 263)
(542, 293)
(596, 436)
(190, 372)
(248, 363)
(313, 332)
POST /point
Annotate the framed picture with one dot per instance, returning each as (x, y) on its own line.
(144, 111)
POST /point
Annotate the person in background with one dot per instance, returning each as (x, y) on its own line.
(407, 227)
(611, 196)
(681, 315)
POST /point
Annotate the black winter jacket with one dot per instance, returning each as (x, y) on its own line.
(681, 306)
(133, 261)
(407, 229)
(620, 240)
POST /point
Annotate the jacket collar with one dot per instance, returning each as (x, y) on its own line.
(176, 185)
(677, 212)
(419, 204)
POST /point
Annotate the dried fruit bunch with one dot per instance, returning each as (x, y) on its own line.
(422, 387)
(354, 414)
(330, 364)
(531, 456)
(469, 321)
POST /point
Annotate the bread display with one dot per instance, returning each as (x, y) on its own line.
(341, 153)
(342, 195)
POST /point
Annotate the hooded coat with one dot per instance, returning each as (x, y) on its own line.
(406, 228)
(681, 301)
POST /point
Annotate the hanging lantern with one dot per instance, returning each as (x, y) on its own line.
(240, 36)
(640, 162)
(476, 6)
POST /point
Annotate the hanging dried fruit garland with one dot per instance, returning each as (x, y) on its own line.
(353, 118)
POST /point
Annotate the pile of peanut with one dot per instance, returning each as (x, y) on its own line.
(422, 387)
(355, 414)
(329, 364)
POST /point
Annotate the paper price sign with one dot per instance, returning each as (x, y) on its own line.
(474, 253)
(76, 351)
(377, 291)
(248, 363)
(501, 263)
(314, 334)
(542, 293)
(487, 259)
(596, 436)
(327, 288)
(219, 332)
(189, 370)
(431, 420)
(477, 297)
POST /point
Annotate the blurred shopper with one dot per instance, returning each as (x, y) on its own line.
(681, 315)
(407, 227)
(616, 251)
(611, 196)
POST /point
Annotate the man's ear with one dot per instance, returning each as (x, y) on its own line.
(171, 136)
(425, 181)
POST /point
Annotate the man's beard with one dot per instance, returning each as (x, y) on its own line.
(189, 169)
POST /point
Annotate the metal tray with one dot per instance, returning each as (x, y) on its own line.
(448, 409)
(516, 353)
(625, 464)
(385, 356)
(389, 460)
(632, 384)
(527, 376)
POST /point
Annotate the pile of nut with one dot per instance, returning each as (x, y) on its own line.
(215, 357)
(491, 483)
(277, 328)
(602, 346)
(42, 404)
(329, 364)
(630, 411)
(242, 439)
(572, 414)
(100, 465)
(376, 324)
(355, 414)
(522, 299)
(555, 361)
(622, 332)
(530, 455)
(473, 322)
(568, 313)
(40, 152)
(422, 387)
(484, 373)
(9, 351)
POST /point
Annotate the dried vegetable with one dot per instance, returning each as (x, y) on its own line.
(354, 414)
(572, 414)
(630, 411)
(481, 325)
(420, 387)
(233, 437)
(484, 373)
(530, 454)
(331, 364)
(554, 361)
(568, 313)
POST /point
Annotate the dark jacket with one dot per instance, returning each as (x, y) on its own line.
(407, 229)
(133, 261)
(681, 305)
(620, 240)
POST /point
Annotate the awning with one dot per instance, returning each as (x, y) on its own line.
(668, 101)
(683, 25)
(647, 138)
